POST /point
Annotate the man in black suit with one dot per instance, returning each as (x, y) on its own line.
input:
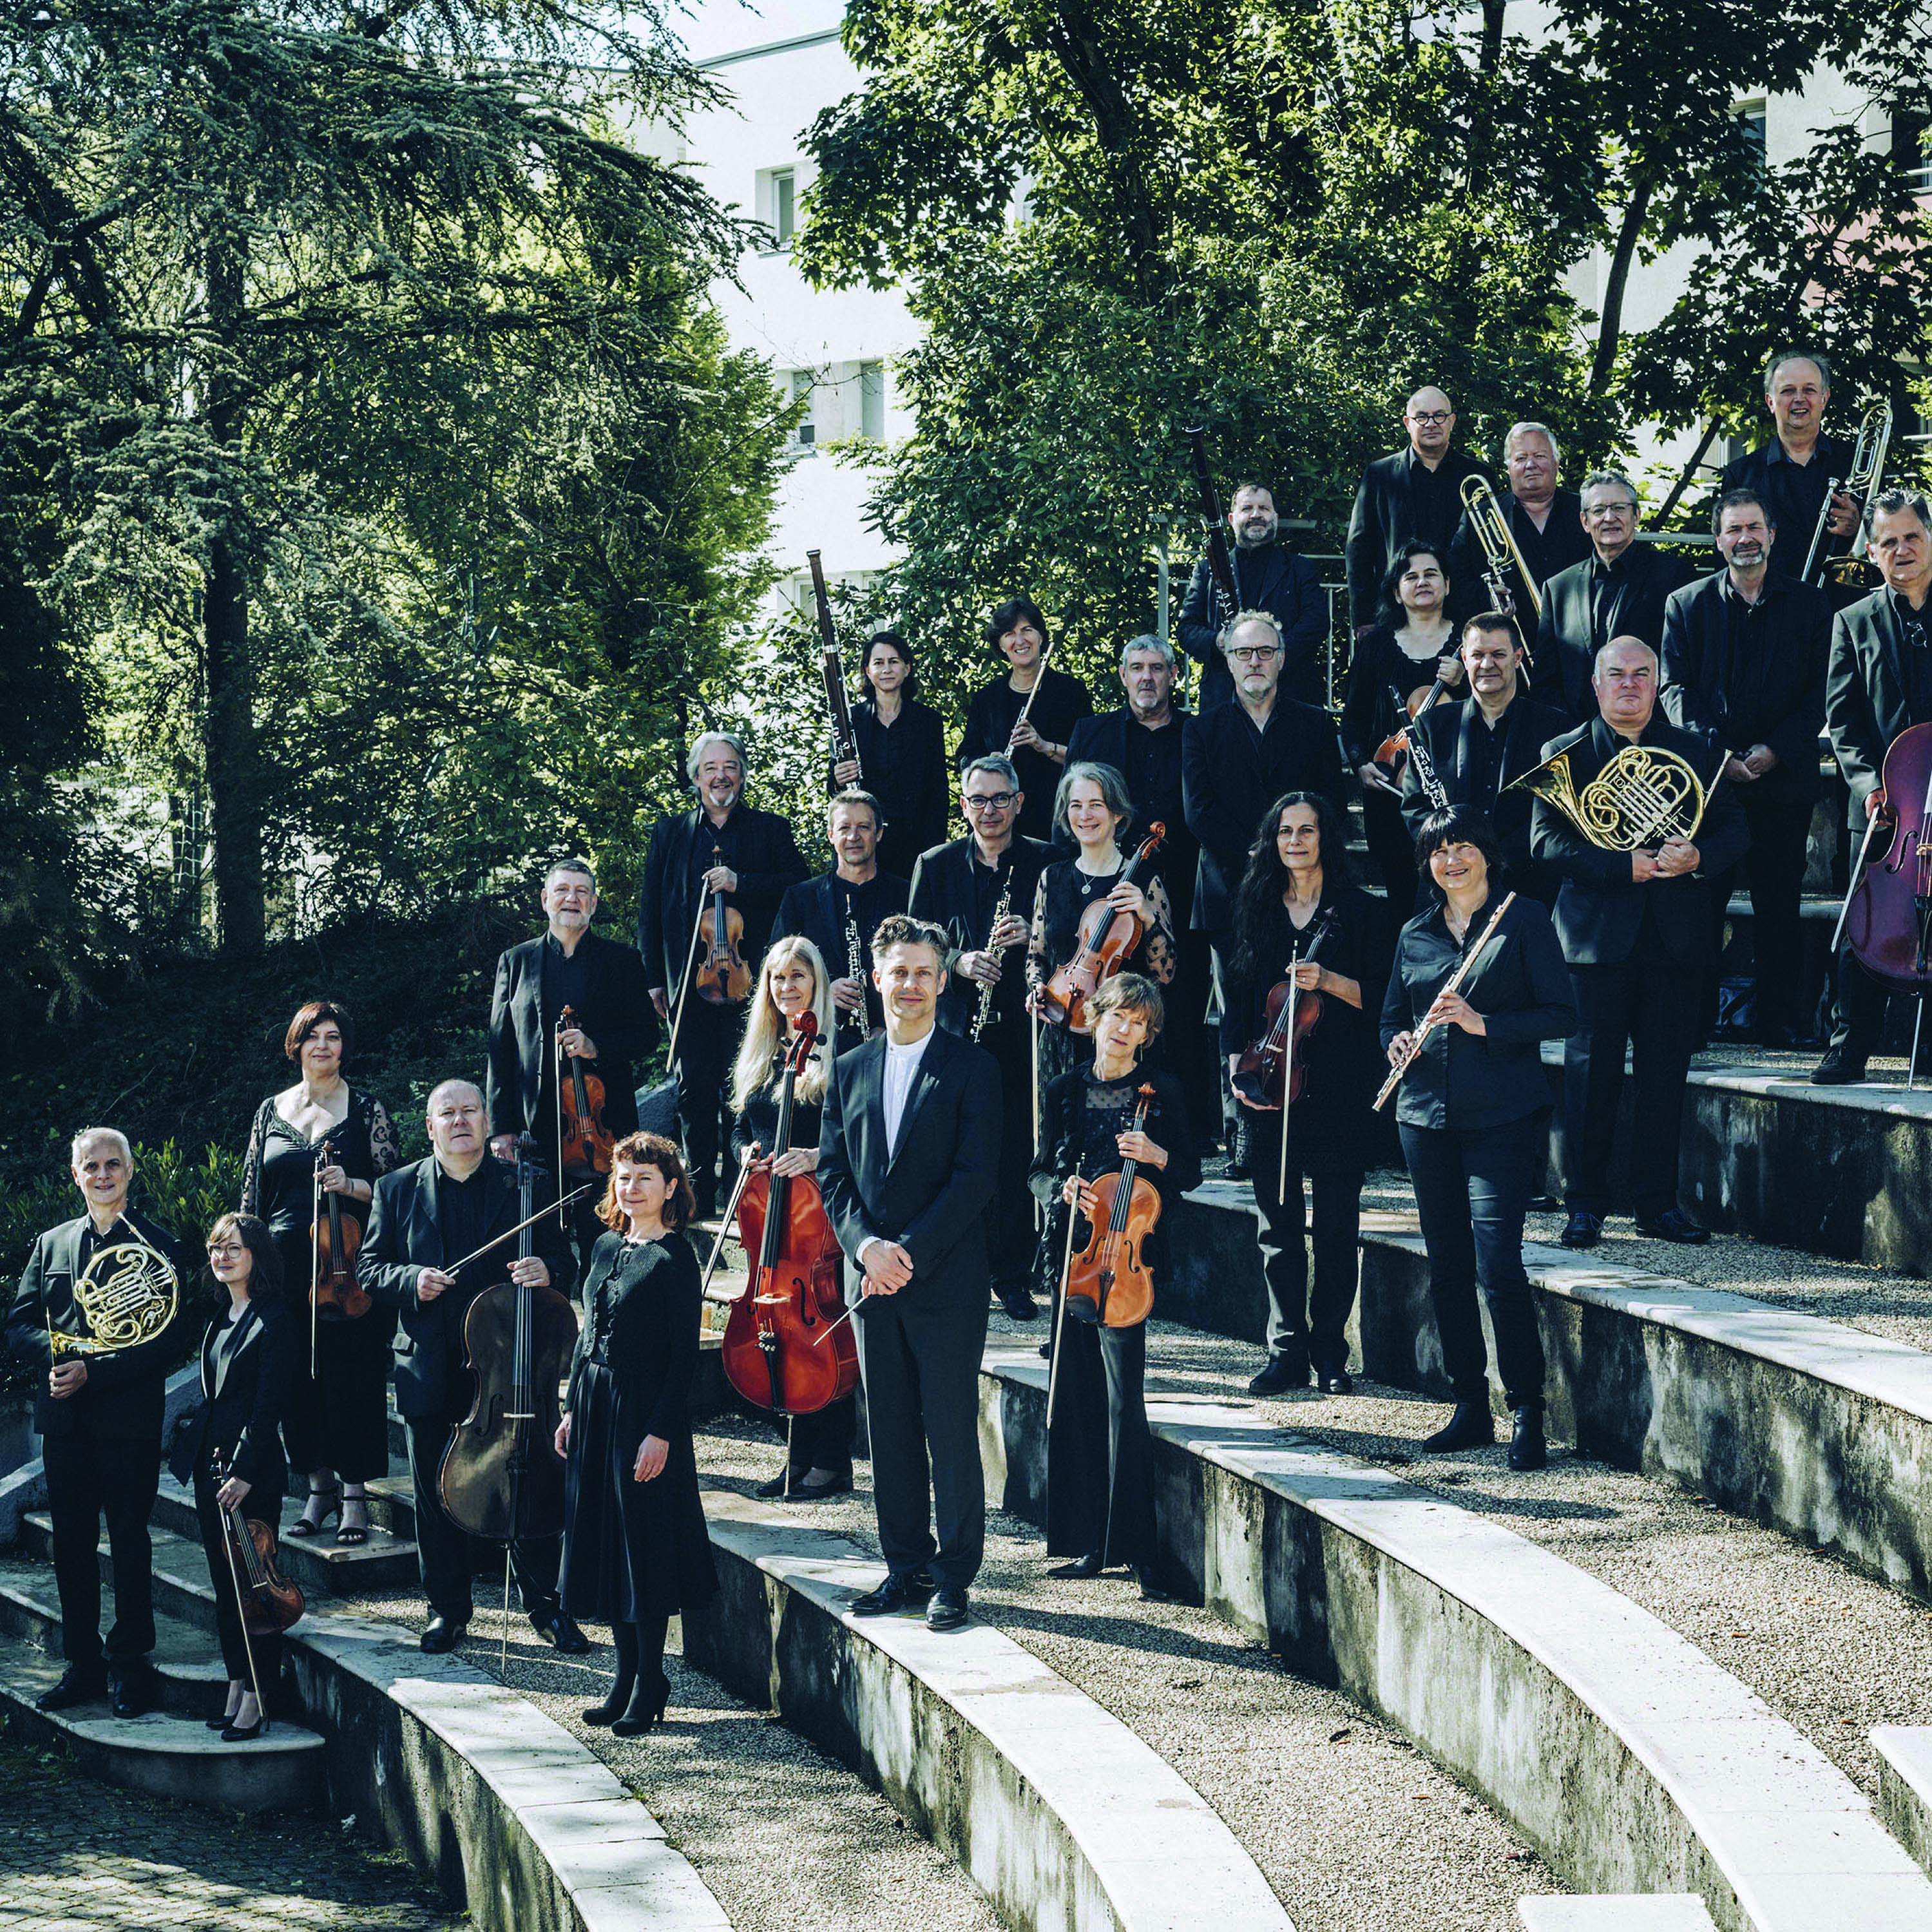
(1545, 520)
(1268, 576)
(1618, 591)
(99, 1420)
(840, 910)
(1791, 472)
(427, 1218)
(722, 845)
(1637, 931)
(613, 1027)
(1744, 662)
(1879, 682)
(1413, 496)
(1480, 748)
(959, 886)
(908, 1154)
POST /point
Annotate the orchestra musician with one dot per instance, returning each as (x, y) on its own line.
(1297, 902)
(980, 890)
(1790, 474)
(793, 982)
(1879, 682)
(908, 1154)
(1473, 1111)
(1099, 1452)
(430, 1219)
(1268, 576)
(840, 909)
(251, 1353)
(1744, 651)
(1545, 519)
(758, 859)
(1638, 934)
(1037, 746)
(98, 1416)
(901, 760)
(336, 1423)
(1413, 496)
(635, 1551)
(1407, 653)
(1478, 748)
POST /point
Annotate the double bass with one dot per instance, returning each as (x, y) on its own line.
(1271, 1071)
(1888, 914)
(583, 1142)
(1107, 938)
(1108, 1282)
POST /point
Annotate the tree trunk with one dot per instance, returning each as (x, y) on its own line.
(1610, 326)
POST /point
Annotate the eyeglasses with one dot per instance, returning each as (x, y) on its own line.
(988, 801)
(1431, 415)
(1598, 511)
(224, 1251)
(1253, 654)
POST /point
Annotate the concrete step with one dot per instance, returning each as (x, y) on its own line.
(1905, 1785)
(1617, 1911)
(314, 1563)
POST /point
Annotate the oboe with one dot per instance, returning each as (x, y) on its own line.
(855, 969)
(987, 987)
(1427, 1026)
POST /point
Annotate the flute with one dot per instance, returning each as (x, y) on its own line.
(1455, 978)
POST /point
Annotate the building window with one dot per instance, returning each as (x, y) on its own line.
(1750, 126)
(805, 433)
(777, 205)
(1912, 149)
(872, 400)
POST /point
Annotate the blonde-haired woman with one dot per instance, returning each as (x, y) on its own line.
(792, 982)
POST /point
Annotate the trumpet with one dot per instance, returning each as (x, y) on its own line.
(1644, 795)
(1500, 550)
(1863, 482)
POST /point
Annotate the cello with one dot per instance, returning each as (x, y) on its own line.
(724, 980)
(792, 1298)
(1107, 938)
(1888, 914)
(1108, 1282)
(583, 1142)
(1271, 1072)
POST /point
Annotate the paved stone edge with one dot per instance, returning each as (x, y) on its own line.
(1905, 1785)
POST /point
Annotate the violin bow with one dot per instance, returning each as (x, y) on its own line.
(497, 1241)
(218, 1468)
(683, 984)
(315, 1266)
(1287, 1068)
(725, 1229)
(1851, 886)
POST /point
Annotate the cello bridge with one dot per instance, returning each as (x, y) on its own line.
(514, 1415)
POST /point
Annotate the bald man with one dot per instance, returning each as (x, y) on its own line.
(426, 1219)
(1414, 496)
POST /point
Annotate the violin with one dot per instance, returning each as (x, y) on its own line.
(1393, 750)
(1888, 915)
(1108, 1282)
(502, 1477)
(772, 1350)
(1272, 1070)
(335, 1237)
(724, 980)
(583, 1142)
(1107, 938)
(270, 1602)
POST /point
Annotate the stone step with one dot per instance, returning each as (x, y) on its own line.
(314, 1563)
(1905, 1785)
(1617, 1911)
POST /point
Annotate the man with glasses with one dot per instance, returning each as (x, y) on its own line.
(1268, 576)
(1544, 519)
(960, 887)
(1413, 496)
(1618, 591)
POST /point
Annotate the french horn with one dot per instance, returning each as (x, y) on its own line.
(1642, 796)
(127, 1294)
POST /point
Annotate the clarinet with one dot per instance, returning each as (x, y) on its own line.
(1426, 776)
(855, 969)
(984, 1014)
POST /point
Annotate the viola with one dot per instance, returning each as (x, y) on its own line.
(1392, 751)
(502, 1477)
(772, 1350)
(270, 1602)
(335, 1237)
(1888, 916)
(723, 977)
(1272, 1071)
(1108, 1281)
(1107, 939)
(584, 1143)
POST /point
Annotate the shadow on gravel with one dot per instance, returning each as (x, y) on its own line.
(1128, 1631)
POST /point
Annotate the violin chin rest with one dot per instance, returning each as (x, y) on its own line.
(1080, 1309)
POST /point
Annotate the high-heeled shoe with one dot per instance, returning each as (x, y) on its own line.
(615, 1705)
(640, 1718)
(220, 1724)
(234, 1735)
(305, 1526)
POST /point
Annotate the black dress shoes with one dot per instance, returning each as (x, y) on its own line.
(1838, 1069)
(1280, 1376)
(946, 1611)
(568, 1639)
(782, 1484)
(1016, 1299)
(1151, 1591)
(440, 1635)
(1674, 1225)
(1527, 1449)
(817, 1484)
(1082, 1570)
(1582, 1230)
(1468, 1427)
(1334, 1382)
(77, 1686)
(135, 1691)
(894, 1594)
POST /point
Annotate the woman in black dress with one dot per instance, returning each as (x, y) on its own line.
(901, 758)
(1296, 901)
(1038, 748)
(1473, 1110)
(635, 1552)
(1099, 1454)
(1412, 644)
(793, 982)
(337, 1427)
(250, 1356)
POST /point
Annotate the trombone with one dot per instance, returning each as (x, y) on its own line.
(1500, 550)
(1863, 482)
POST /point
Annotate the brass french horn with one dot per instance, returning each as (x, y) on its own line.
(127, 1294)
(1642, 796)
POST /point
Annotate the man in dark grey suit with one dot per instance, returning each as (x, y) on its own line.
(908, 1151)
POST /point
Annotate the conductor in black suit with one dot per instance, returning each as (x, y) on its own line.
(909, 1147)
(613, 1025)
(438, 1212)
(1638, 934)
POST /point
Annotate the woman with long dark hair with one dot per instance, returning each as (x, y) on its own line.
(901, 760)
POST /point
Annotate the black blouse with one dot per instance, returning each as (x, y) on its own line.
(278, 1176)
(641, 1324)
(759, 1122)
(1062, 702)
(1062, 895)
(903, 765)
(1369, 712)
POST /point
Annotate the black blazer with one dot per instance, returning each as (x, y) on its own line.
(1600, 909)
(1793, 493)
(1445, 732)
(903, 765)
(1387, 515)
(812, 910)
(123, 1394)
(405, 1237)
(1867, 699)
(1561, 541)
(1569, 634)
(240, 1413)
(766, 862)
(617, 1014)
(1273, 578)
(943, 892)
(1778, 699)
(1062, 702)
(1231, 773)
(1102, 740)
(929, 1195)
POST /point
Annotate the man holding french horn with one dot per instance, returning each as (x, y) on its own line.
(92, 1311)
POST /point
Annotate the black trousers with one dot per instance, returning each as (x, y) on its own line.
(823, 1439)
(447, 1554)
(1863, 1005)
(1472, 1189)
(1306, 1323)
(1010, 1230)
(1773, 871)
(1391, 845)
(1189, 1046)
(90, 1476)
(1653, 1005)
(707, 1037)
(1099, 1451)
(227, 1617)
(921, 1370)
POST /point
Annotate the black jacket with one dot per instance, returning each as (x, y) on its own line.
(1794, 492)
(1062, 702)
(903, 765)
(1587, 605)
(1102, 740)
(1867, 694)
(241, 1413)
(1774, 694)
(405, 1237)
(1273, 578)
(763, 854)
(815, 910)
(616, 1013)
(930, 1196)
(1521, 986)
(1388, 514)
(944, 891)
(1600, 909)
(1562, 542)
(1447, 732)
(1231, 773)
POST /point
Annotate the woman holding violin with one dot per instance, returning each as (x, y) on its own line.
(318, 1146)
(901, 760)
(794, 987)
(1304, 934)
(1102, 1119)
(1410, 649)
(1473, 1110)
(635, 1552)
